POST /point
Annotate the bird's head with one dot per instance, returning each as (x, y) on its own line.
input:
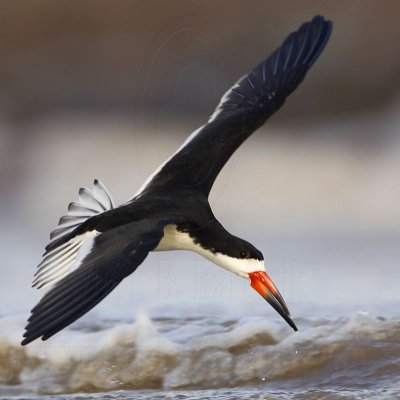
(244, 259)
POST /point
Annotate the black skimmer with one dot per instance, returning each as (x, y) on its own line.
(97, 245)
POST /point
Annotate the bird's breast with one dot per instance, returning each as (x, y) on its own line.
(174, 239)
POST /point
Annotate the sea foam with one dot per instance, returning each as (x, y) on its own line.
(151, 354)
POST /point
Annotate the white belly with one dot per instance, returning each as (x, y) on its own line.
(175, 240)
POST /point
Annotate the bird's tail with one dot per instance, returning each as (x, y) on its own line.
(62, 251)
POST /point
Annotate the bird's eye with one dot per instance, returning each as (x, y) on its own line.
(243, 254)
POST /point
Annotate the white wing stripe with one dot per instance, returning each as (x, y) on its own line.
(47, 263)
(58, 268)
(48, 254)
(64, 266)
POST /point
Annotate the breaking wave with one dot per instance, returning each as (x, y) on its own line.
(196, 353)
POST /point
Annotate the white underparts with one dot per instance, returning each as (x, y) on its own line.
(176, 240)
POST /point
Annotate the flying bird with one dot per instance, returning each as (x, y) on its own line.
(96, 244)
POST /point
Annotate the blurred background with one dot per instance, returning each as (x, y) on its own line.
(108, 90)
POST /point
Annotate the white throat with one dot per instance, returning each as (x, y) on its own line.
(175, 240)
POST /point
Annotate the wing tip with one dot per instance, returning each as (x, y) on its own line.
(28, 338)
(326, 31)
(280, 73)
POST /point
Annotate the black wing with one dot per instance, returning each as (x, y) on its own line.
(114, 255)
(243, 109)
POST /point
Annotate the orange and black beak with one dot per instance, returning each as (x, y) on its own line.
(262, 283)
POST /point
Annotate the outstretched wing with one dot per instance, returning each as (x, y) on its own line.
(114, 255)
(243, 109)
